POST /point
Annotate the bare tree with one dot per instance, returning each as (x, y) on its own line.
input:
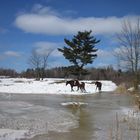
(45, 62)
(39, 62)
(35, 62)
(129, 51)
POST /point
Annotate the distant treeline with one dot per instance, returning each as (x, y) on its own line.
(8, 73)
(107, 73)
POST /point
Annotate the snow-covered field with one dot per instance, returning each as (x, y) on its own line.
(48, 86)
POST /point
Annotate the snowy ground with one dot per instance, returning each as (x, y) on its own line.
(30, 86)
(48, 86)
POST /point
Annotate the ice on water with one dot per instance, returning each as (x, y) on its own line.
(24, 120)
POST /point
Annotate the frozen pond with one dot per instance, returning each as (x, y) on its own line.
(62, 117)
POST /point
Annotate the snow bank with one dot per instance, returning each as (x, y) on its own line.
(48, 86)
(131, 89)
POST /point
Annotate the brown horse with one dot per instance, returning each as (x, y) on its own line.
(73, 83)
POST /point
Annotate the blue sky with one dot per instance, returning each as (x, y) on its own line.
(27, 25)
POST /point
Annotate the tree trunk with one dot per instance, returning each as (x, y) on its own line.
(136, 82)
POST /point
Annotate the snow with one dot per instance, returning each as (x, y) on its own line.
(48, 86)
(8, 134)
(132, 88)
(74, 104)
(31, 86)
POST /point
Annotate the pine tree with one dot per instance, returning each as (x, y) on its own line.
(80, 51)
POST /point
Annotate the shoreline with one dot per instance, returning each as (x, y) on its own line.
(49, 86)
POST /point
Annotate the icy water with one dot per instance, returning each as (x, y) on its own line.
(64, 117)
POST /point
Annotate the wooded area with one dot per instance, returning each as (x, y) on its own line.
(106, 73)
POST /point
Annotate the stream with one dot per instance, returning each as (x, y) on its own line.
(67, 117)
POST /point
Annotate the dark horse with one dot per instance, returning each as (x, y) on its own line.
(73, 83)
(98, 85)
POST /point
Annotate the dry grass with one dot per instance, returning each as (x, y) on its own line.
(124, 124)
(121, 89)
(137, 100)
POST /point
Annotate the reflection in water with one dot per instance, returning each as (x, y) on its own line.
(83, 132)
(85, 119)
(86, 125)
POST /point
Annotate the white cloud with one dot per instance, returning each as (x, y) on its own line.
(12, 54)
(104, 54)
(44, 20)
(104, 58)
(42, 10)
(43, 48)
(9, 54)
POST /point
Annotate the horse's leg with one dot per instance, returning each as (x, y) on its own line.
(81, 88)
(72, 88)
(77, 88)
(100, 89)
(84, 88)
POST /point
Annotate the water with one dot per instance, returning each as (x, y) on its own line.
(62, 117)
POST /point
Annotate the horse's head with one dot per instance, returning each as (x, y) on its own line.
(67, 82)
(96, 83)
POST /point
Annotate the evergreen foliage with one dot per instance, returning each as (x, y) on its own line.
(80, 51)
